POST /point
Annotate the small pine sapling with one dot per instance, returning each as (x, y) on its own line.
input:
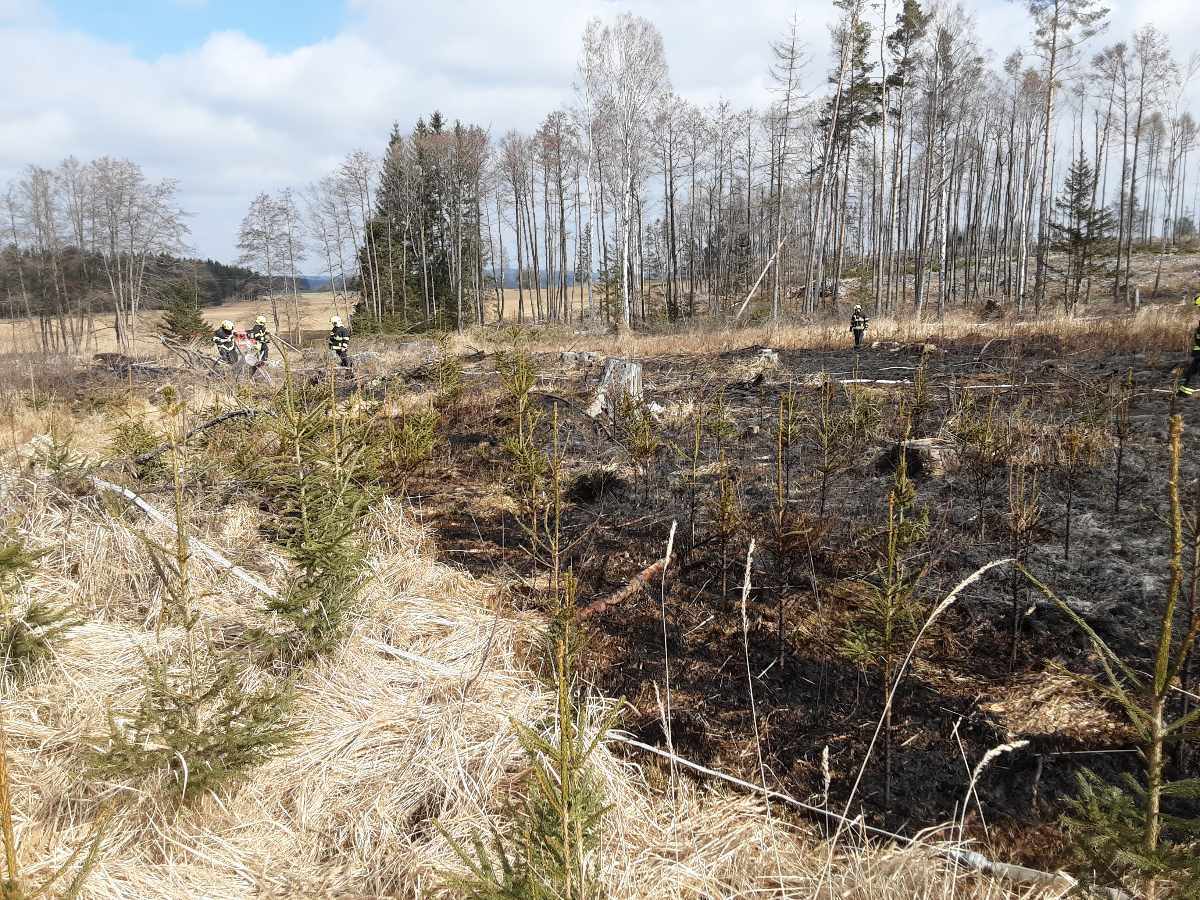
(1186, 680)
(1121, 430)
(641, 436)
(534, 473)
(447, 374)
(726, 517)
(1023, 521)
(894, 608)
(841, 431)
(196, 724)
(986, 442)
(132, 436)
(695, 456)
(1076, 451)
(552, 854)
(313, 480)
(919, 403)
(68, 469)
(787, 430)
(28, 636)
(408, 444)
(721, 427)
(1128, 831)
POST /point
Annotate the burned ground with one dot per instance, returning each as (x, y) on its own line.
(965, 694)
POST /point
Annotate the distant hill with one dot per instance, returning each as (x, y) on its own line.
(309, 283)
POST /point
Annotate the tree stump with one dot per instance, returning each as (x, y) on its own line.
(929, 456)
(622, 378)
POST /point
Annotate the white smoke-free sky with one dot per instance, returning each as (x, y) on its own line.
(232, 98)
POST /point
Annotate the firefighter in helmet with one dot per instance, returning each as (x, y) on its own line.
(223, 341)
(339, 340)
(1186, 389)
(858, 326)
(261, 338)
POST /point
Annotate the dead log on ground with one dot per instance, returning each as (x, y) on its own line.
(142, 458)
(203, 549)
(638, 582)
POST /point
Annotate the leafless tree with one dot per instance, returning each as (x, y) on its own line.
(625, 71)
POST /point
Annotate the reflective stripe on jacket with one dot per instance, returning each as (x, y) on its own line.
(339, 338)
(858, 322)
(223, 340)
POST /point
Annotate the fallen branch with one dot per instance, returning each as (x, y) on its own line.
(212, 555)
(762, 275)
(967, 858)
(636, 584)
(143, 458)
(192, 357)
(997, 387)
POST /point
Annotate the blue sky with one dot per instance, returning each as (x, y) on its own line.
(153, 27)
(233, 98)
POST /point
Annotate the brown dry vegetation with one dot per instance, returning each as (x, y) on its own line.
(410, 721)
(407, 723)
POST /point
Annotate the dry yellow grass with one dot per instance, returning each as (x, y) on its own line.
(410, 722)
(1158, 328)
(21, 335)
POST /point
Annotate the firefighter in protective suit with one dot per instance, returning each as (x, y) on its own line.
(223, 341)
(339, 340)
(858, 326)
(261, 338)
(1186, 389)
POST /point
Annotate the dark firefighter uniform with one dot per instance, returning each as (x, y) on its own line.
(223, 341)
(858, 325)
(1186, 388)
(339, 342)
(259, 335)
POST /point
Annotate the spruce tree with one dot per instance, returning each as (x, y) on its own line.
(893, 610)
(197, 727)
(28, 635)
(1079, 231)
(181, 319)
(1142, 831)
(312, 472)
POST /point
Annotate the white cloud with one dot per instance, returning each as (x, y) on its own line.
(229, 117)
(22, 11)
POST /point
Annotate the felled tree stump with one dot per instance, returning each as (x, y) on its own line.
(929, 456)
(622, 378)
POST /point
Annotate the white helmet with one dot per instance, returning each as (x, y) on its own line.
(261, 320)
(335, 320)
(227, 325)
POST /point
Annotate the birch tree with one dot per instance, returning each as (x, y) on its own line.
(625, 71)
(262, 243)
(1061, 27)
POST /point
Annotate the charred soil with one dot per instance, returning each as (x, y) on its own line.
(972, 685)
